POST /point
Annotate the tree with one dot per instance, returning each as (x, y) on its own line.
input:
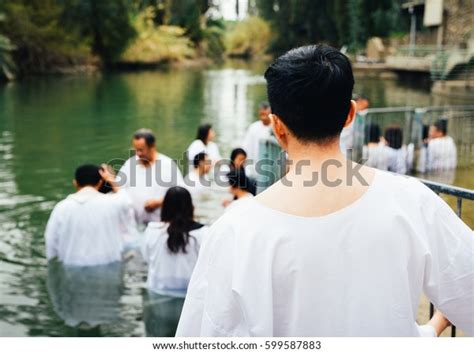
(106, 23)
(7, 65)
(41, 42)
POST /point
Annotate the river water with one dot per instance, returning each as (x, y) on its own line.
(50, 125)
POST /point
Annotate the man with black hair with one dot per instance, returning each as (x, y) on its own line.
(147, 176)
(442, 154)
(257, 131)
(334, 248)
(90, 228)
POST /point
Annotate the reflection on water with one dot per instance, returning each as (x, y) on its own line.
(161, 314)
(85, 297)
(50, 125)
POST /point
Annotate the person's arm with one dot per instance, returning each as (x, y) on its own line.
(211, 307)
(439, 323)
(51, 235)
(153, 204)
(449, 266)
(106, 172)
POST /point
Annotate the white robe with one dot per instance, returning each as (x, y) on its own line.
(442, 154)
(197, 185)
(169, 273)
(239, 202)
(146, 183)
(89, 228)
(359, 271)
(400, 160)
(376, 156)
(197, 146)
(256, 132)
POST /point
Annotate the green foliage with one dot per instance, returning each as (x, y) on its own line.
(105, 23)
(337, 22)
(34, 28)
(7, 66)
(155, 44)
(248, 38)
(189, 15)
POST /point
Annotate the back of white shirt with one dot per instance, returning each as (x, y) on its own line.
(376, 156)
(169, 273)
(442, 154)
(359, 271)
(89, 228)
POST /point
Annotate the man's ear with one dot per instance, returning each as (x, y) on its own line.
(352, 113)
(76, 185)
(280, 131)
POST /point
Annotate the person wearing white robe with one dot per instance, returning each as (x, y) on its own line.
(399, 156)
(197, 181)
(89, 228)
(441, 151)
(170, 268)
(375, 153)
(204, 144)
(351, 134)
(147, 176)
(348, 254)
(258, 131)
(240, 187)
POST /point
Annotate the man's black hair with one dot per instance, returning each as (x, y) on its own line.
(310, 90)
(87, 175)
(442, 126)
(200, 157)
(147, 135)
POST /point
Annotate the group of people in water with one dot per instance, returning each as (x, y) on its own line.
(296, 260)
(149, 208)
(386, 150)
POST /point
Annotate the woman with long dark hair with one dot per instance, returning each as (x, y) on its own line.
(400, 156)
(204, 143)
(172, 246)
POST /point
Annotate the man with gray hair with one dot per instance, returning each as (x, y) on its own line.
(147, 176)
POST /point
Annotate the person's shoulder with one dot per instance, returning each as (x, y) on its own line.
(235, 216)
(63, 206)
(254, 126)
(196, 144)
(409, 191)
(155, 229)
(163, 158)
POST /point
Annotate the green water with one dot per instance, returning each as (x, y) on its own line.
(48, 126)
